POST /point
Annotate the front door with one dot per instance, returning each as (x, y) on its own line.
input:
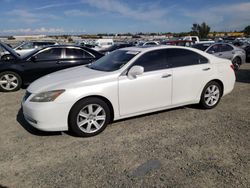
(149, 91)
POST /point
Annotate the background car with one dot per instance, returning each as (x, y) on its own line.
(125, 83)
(27, 47)
(178, 42)
(115, 47)
(247, 50)
(17, 71)
(149, 43)
(224, 50)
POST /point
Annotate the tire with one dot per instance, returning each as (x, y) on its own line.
(211, 95)
(10, 81)
(237, 63)
(84, 123)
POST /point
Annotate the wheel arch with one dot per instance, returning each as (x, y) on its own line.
(220, 83)
(237, 56)
(107, 101)
(13, 70)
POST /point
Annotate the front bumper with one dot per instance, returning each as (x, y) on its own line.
(49, 116)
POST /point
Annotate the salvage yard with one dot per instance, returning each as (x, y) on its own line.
(183, 147)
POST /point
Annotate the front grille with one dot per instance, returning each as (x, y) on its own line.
(26, 96)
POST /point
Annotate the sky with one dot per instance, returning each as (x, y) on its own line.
(120, 16)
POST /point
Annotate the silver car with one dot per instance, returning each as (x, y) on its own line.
(224, 50)
(29, 46)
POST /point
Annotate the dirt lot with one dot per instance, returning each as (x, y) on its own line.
(184, 147)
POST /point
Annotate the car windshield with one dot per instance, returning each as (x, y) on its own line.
(114, 60)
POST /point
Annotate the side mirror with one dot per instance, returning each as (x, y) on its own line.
(135, 71)
(33, 58)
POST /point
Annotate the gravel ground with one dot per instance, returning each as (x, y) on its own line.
(183, 147)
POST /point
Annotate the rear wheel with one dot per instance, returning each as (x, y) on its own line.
(237, 63)
(89, 117)
(10, 81)
(211, 95)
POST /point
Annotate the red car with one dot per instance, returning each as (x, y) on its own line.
(178, 43)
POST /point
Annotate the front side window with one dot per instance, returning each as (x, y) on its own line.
(113, 61)
(152, 61)
(49, 54)
(183, 57)
(214, 49)
(74, 53)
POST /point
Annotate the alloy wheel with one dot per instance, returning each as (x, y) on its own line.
(91, 118)
(212, 95)
(9, 82)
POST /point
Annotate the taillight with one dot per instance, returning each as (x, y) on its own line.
(232, 66)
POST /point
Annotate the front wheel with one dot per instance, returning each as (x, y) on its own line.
(89, 117)
(211, 95)
(10, 81)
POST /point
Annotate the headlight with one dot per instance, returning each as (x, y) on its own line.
(47, 96)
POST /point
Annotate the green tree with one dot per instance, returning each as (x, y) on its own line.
(195, 29)
(202, 30)
(247, 30)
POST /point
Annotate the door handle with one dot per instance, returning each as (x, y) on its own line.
(58, 62)
(220, 54)
(166, 75)
(206, 69)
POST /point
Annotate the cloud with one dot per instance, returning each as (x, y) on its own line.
(149, 13)
(41, 30)
(55, 5)
(75, 12)
(223, 17)
(28, 17)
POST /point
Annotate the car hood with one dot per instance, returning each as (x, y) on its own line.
(69, 78)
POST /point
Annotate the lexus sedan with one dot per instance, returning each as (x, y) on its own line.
(17, 71)
(125, 83)
(224, 50)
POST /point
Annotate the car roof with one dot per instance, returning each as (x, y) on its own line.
(150, 48)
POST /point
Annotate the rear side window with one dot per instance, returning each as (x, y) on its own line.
(182, 57)
(74, 53)
(226, 47)
(50, 54)
(152, 61)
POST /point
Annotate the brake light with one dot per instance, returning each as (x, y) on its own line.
(232, 66)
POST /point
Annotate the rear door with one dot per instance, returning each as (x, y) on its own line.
(73, 56)
(227, 51)
(191, 72)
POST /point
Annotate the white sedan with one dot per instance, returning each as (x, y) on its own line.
(127, 82)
